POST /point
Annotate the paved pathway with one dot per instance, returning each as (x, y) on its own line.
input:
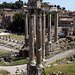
(12, 69)
(60, 56)
(8, 49)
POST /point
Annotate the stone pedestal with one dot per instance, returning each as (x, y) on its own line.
(33, 70)
(47, 48)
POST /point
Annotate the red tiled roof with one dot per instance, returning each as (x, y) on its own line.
(66, 19)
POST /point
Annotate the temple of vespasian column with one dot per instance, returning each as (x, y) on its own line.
(37, 30)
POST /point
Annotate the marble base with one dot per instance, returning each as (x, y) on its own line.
(33, 70)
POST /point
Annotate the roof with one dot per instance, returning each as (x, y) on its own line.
(66, 19)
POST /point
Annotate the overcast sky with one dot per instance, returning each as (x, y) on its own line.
(68, 4)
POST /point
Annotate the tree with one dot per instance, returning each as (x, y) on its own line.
(4, 4)
(63, 8)
(58, 6)
(18, 23)
(16, 5)
(55, 6)
(43, 72)
(19, 4)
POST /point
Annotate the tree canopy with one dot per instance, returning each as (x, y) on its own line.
(18, 23)
(16, 5)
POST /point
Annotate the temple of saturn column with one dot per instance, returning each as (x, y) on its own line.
(36, 31)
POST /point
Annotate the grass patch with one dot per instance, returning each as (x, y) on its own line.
(2, 30)
(3, 72)
(5, 53)
(57, 61)
(67, 69)
(15, 62)
(15, 36)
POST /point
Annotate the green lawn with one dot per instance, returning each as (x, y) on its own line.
(5, 53)
(15, 62)
(2, 30)
(3, 72)
(67, 69)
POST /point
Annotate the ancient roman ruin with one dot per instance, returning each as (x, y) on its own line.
(37, 33)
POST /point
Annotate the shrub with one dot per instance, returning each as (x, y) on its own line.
(43, 72)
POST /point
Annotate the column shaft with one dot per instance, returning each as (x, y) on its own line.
(34, 26)
(49, 27)
(31, 37)
(39, 40)
(43, 35)
(56, 27)
(26, 25)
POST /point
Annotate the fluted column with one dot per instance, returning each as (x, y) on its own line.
(56, 27)
(43, 34)
(31, 36)
(39, 39)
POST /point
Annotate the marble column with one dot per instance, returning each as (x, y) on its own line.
(26, 28)
(56, 27)
(38, 39)
(31, 37)
(43, 34)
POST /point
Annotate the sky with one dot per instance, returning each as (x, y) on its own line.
(68, 4)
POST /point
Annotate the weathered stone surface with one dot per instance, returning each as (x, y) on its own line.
(56, 27)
